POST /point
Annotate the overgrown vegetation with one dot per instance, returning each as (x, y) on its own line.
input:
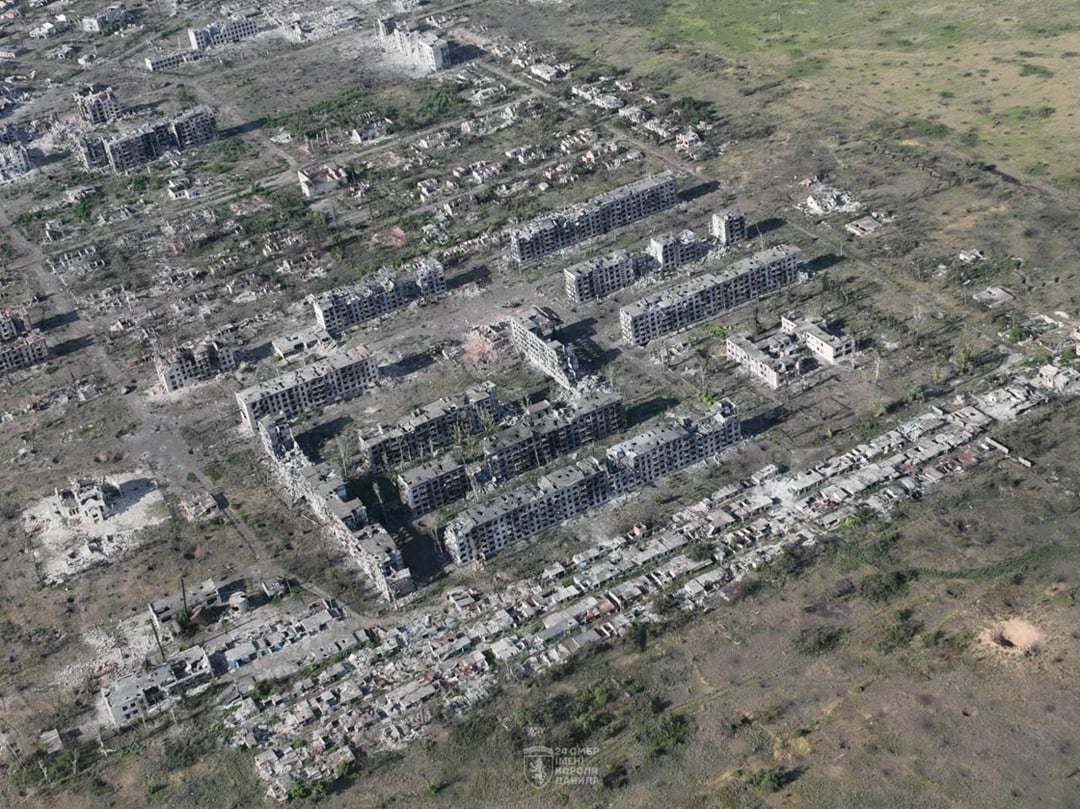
(288, 209)
(352, 108)
(819, 640)
(922, 128)
(900, 632)
(879, 588)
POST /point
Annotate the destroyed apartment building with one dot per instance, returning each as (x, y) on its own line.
(599, 277)
(340, 309)
(166, 613)
(128, 150)
(729, 226)
(188, 365)
(547, 432)
(21, 345)
(532, 335)
(146, 693)
(86, 500)
(708, 295)
(201, 40)
(672, 446)
(317, 179)
(14, 323)
(15, 162)
(337, 378)
(430, 428)
(827, 344)
(483, 530)
(225, 32)
(172, 59)
(613, 209)
(423, 49)
(97, 104)
(312, 339)
(22, 351)
(672, 250)
(543, 434)
(432, 485)
(107, 21)
(778, 358)
(343, 517)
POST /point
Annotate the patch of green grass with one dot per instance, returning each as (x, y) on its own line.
(408, 111)
(1032, 69)
(1020, 114)
(85, 208)
(1070, 180)
(806, 67)
(1044, 26)
(770, 28)
(772, 779)
(665, 733)
(924, 128)
(969, 138)
(647, 12)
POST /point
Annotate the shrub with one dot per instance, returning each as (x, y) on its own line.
(900, 633)
(665, 734)
(1030, 69)
(921, 127)
(772, 779)
(879, 588)
(819, 640)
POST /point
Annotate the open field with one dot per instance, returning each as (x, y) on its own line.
(996, 82)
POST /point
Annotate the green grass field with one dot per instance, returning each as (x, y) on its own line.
(973, 69)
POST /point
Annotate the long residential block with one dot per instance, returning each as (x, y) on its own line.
(343, 517)
(432, 485)
(226, 32)
(339, 377)
(547, 433)
(173, 59)
(430, 428)
(483, 530)
(344, 307)
(599, 277)
(708, 295)
(612, 209)
(532, 335)
(137, 147)
(672, 446)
